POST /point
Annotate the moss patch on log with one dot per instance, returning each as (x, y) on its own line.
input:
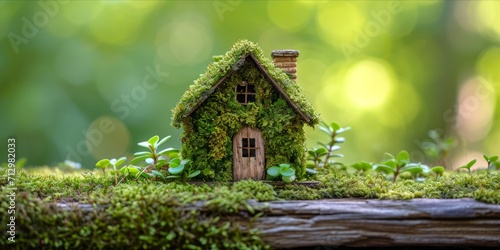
(158, 214)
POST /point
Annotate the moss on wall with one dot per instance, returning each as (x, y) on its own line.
(215, 117)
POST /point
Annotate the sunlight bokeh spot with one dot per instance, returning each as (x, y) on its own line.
(80, 12)
(116, 24)
(340, 22)
(402, 108)
(368, 84)
(190, 42)
(489, 64)
(146, 6)
(289, 17)
(185, 40)
(331, 94)
(488, 17)
(475, 109)
(491, 143)
(108, 137)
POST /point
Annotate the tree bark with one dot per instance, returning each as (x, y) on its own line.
(362, 223)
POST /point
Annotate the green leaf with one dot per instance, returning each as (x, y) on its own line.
(104, 163)
(163, 141)
(311, 171)
(139, 159)
(157, 173)
(145, 175)
(390, 155)
(471, 163)
(161, 162)
(172, 177)
(390, 163)
(321, 151)
(403, 157)
(194, 174)
(362, 166)
(132, 170)
(335, 126)
(383, 168)
(328, 131)
(153, 140)
(439, 170)
(174, 162)
(340, 140)
(311, 153)
(168, 151)
(149, 161)
(120, 161)
(144, 144)
(288, 179)
(273, 171)
(284, 165)
(493, 158)
(336, 155)
(143, 153)
(342, 130)
(287, 171)
(413, 168)
(176, 170)
(334, 148)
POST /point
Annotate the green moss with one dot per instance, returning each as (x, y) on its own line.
(209, 129)
(133, 215)
(227, 63)
(172, 215)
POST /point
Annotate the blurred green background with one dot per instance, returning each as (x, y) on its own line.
(86, 80)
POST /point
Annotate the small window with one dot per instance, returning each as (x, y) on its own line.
(245, 93)
(248, 147)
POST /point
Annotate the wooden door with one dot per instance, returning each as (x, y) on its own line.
(248, 155)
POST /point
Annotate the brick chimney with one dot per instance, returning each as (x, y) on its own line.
(287, 61)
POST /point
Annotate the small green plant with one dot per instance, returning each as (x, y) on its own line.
(493, 163)
(286, 172)
(177, 166)
(111, 163)
(362, 167)
(156, 160)
(160, 159)
(437, 171)
(468, 166)
(399, 164)
(320, 157)
(439, 147)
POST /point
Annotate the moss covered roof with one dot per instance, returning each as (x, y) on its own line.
(217, 71)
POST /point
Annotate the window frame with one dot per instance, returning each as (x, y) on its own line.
(245, 95)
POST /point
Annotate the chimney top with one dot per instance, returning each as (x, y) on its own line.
(285, 53)
(286, 59)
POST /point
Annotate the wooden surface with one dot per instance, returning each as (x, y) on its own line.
(359, 223)
(362, 223)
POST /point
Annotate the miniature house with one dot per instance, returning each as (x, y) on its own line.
(244, 115)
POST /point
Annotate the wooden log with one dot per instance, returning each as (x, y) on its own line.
(362, 223)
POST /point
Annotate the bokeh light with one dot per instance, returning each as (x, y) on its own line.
(368, 84)
(391, 70)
